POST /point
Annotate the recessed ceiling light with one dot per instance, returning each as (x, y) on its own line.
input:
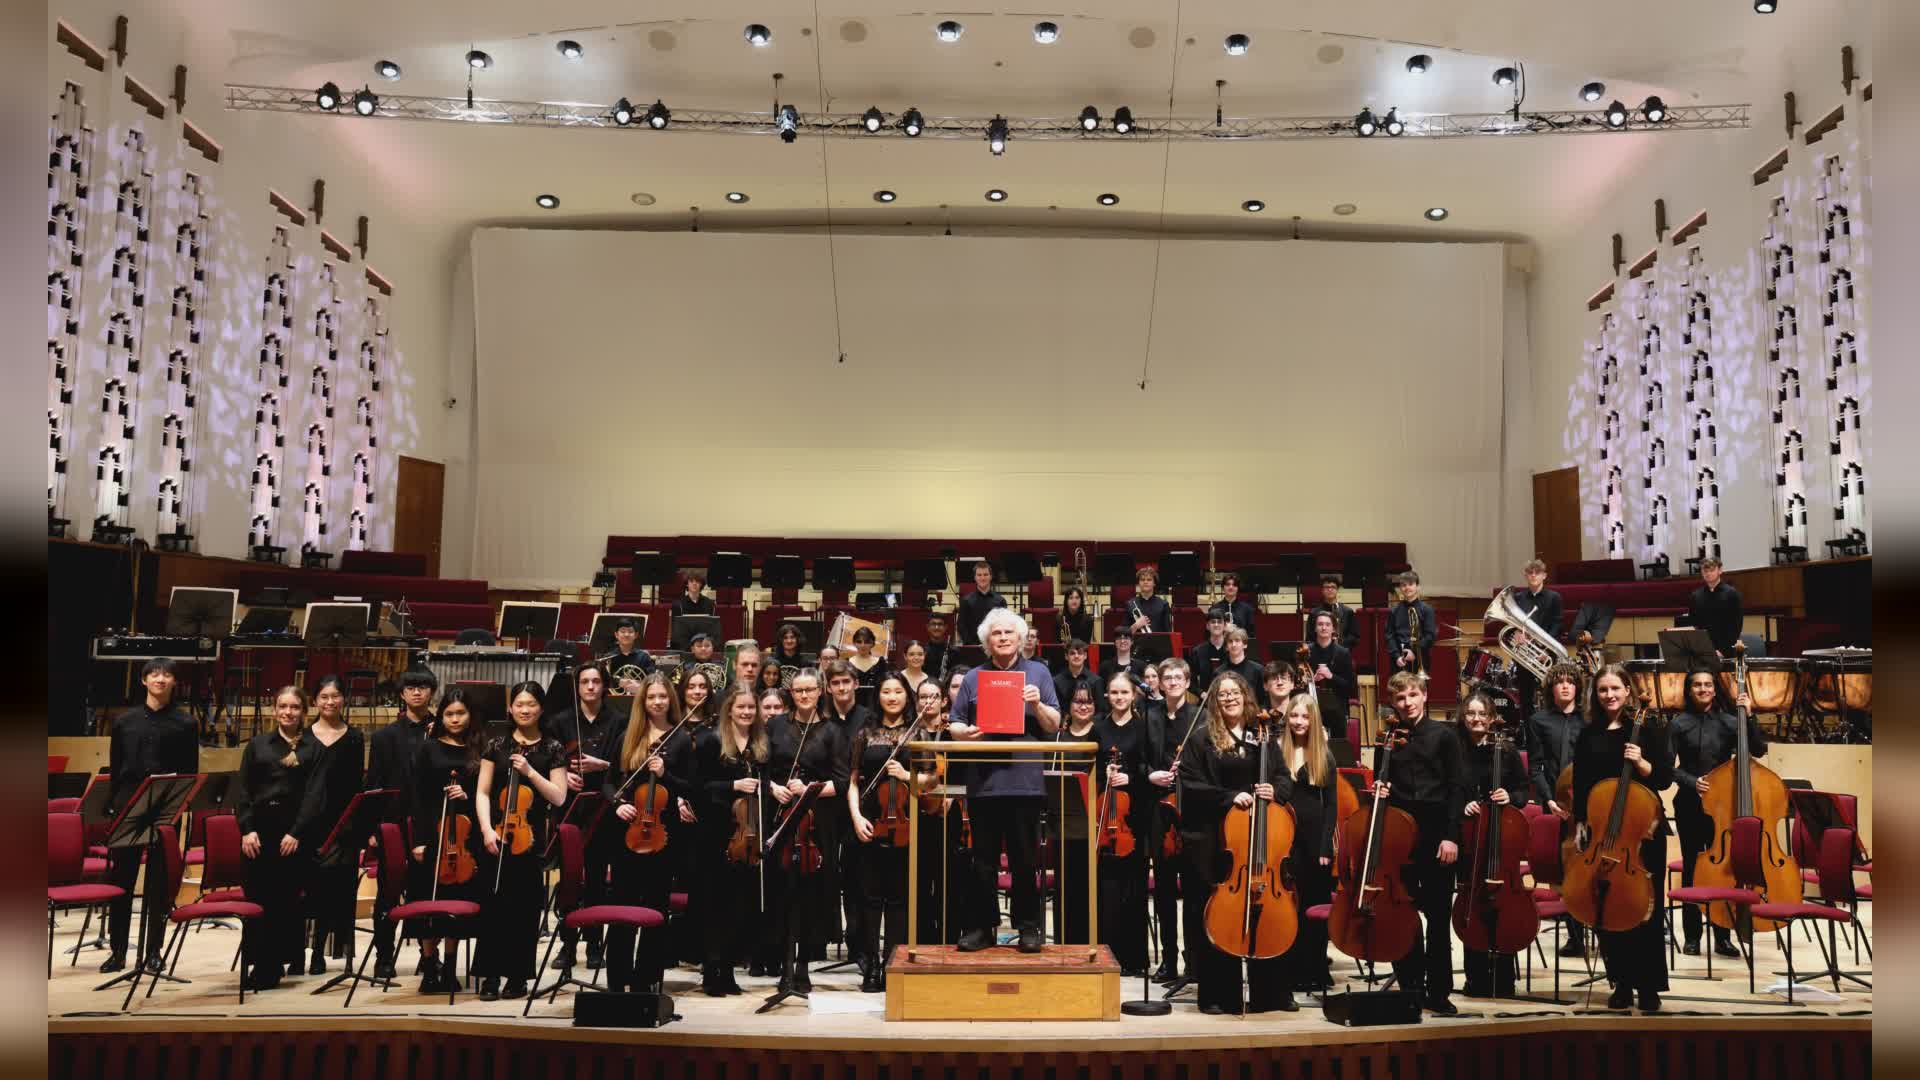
(1345, 209)
(387, 69)
(1253, 206)
(736, 196)
(478, 59)
(546, 202)
(1765, 7)
(1238, 44)
(758, 35)
(996, 195)
(1046, 33)
(642, 198)
(1593, 91)
(949, 31)
(570, 49)
(1109, 199)
(1436, 213)
(883, 195)
(1418, 64)
(1505, 76)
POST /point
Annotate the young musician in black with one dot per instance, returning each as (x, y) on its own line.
(730, 761)
(592, 728)
(1428, 781)
(1704, 736)
(655, 752)
(1173, 724)
(1716, 607)
(1543, 606)
(1636, 959)
(628, 663)
(1076, 672)
(1066, 826)
(868, 666)
(1411, 627)
(1334, 681)
(939, 648)
(1076, 618)
(1487, 974)
(1147, 613)
(849, 714)
(1303, 752)
(338, 769)
(1240, 661)
(445, 774)
(1125, 760)
(694, 601)
(155, 738)
(1344, 627)
(1240, 609)
(808, 748)
(1210, 655)
(786, 649)
(973, 606)
(877, 771)
(1278, 681)
(1552, 732)
(271, 789)
(1122, 658)
(533, 767)
(1220, 771)
(390, 758)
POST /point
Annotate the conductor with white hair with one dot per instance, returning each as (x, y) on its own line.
(1004, 799)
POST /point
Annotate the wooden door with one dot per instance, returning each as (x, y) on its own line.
(1556, 515)
(417, 507)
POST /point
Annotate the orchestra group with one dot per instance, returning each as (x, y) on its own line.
(693, 774)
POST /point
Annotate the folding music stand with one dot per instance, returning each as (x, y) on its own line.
(1072, 814)
(1018, 567)
(201, 613)
(780, 838)
(336, 626)
(348, 837)
(783, 572)
(528, 621)
(929, 574)
(1153, 648)
(833, 573)
(158, 800)
(1297, 570)
(653, 568)
(1686, 648)
(1179, 570)
(1112, 568)
(729, 570)
(685, 626)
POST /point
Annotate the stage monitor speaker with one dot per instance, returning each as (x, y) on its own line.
(1373, 1007)
(593, 1008)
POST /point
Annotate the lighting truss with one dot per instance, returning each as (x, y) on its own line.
(278, 99)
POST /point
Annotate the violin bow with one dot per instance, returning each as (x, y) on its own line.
(440, 837)
(908, 737)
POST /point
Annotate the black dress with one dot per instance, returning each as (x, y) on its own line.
(1636, 959)
(332, 892)
(882, 880)
(1123, 879)
(435, 765)
(1314, 818)
(273, 778)
(1488, 974)
(644, 879)
(510, 913)
(810, 752)
(1064, 842)
(733, 895)
(1210, 777)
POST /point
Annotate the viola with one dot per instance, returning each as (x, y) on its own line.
(1373, 916)
(1607, 885)
(1115, 831)
(1495, 912)
(1254, 912)
(454, 863)
(1742, 787)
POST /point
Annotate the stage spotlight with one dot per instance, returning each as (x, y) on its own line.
(546, 202)
(883, 195)
(623, 112)
(1123, 120)
(327, 97)
(758, 36)
(1436, 213)
(996, 195)
(736, 196)
(366, 102)
(949, 31)
(997, 135)
(873, 119)
(1108, 199)
(1253, 206)
(1654, 110)
(1046, 33)
(1593, 91)
(1616, 115)
(1394, 125)
(570, 49)
(1238, 44)
(387, 69)
(789, 121)
(912, 123)
(1089, 119)
(1765, 7)
(478, 59)
(1418, 64)
(1505, 76)
(658, 115)
(1364, 125)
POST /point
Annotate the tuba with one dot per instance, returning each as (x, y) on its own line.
(1522, 639)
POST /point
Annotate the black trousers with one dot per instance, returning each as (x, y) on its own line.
(1636, 959)
(510, 918)
(883, 900)
(733, 922)
(1307, 965)
(1428, 966)
(1123, 908)
(1010, 824)
(945, 874)
(332, 893)
(602, 848)
(123, 869)
(1696, 833)
(645, 881)
(274, 939)
(1169, 877)
(1217, 973)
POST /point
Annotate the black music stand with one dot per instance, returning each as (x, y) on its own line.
(260, 621)
(527, 622)
(781, 837)
(1685, 649)
(336, 626)
(685, 626)
(348, 837)
(654, 568)
(929, 574)
(729, 570)
(1153, 648)
(783, 572)
(97, 789)
(157, 801)
(201, 613)
(833, 573)
(1112, 568)
(973, 655)
(1297, 570)
(1017, 567)
(1179, 570)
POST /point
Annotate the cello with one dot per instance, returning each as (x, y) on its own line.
(1373, 916)
(1742, 787)
(1607, 885)
(1254, 912)
(1494, 913)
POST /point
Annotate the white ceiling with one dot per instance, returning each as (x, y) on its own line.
(1309, 57)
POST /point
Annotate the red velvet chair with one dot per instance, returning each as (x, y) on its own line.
(66, 873)
(566, 897)
(391, 878)
(186, 915)
(223, 870)
(1543, 862)
(1835, 869)
(1744, 851)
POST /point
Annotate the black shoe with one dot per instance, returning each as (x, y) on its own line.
(1133, 973)
(429, 974)
(1031, 941)
(870, 983)
(264, 978)
(1725, 947)
(1691, 948)
(758, 970)
(712, 988)
(1211, 1009)
(489, 989)
(383, 968)
(317, 965)
(733, 988)
(1649, 1001)
(564, 958)
(1443, 1007)
(1286, 1004)
(802, 981)
(596, 954)
(514, 990)
(971, 941)
(1166, 973)
(1621, 998)
(114, 962)
(1574, 947)
(156, 964)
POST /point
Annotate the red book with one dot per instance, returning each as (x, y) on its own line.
(1000, 706)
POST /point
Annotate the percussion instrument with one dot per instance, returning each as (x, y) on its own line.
(1836, 677)
(1663, 690)
(1773, 682)
(492, 663)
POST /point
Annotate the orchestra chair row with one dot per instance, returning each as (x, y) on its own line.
(67, 874)
(186, 915)
(390, 877)
(566, 897)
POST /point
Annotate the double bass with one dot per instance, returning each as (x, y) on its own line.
(1607, 886)
(1493, 911)
(1742, 787)
(1373, 916)
(1254, 912)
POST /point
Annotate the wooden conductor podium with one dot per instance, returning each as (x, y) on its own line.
(1062, 982)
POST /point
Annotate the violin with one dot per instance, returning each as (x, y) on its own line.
(1116, 834)
(454, 863)
(1373, 916)
(515, 832)
(647, 832)
(1607, 886)
(1742, 787)
(892, 821)
(803, 854)
(1495, 912)
(1254, 911)
(1170, 802)
(743, 846)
